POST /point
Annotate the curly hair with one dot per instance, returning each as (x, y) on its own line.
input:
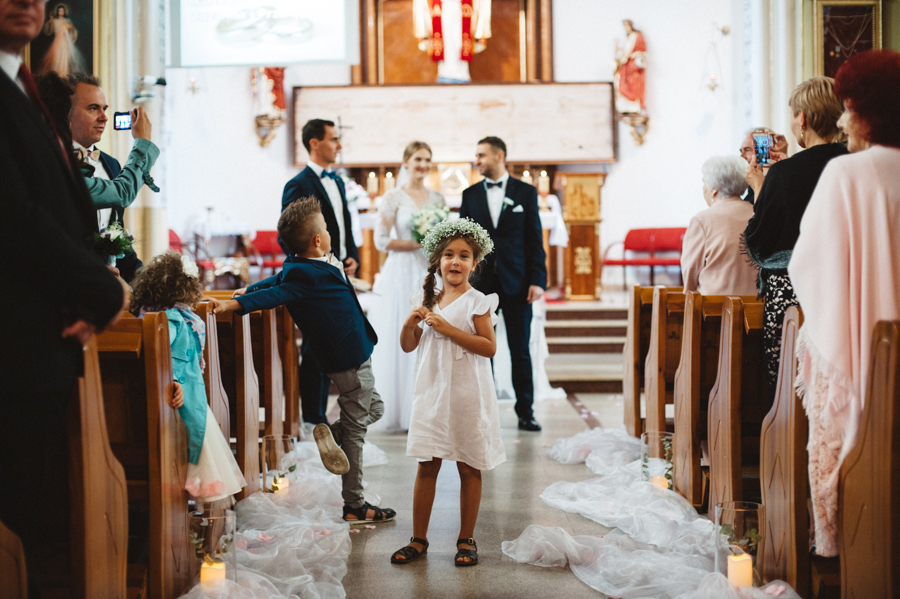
(869, 85)
(431, 297)
(162, 283)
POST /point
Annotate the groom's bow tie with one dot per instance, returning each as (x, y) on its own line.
(331, 174)
(493, 184)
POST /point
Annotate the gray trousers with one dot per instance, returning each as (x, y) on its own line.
(360, 406)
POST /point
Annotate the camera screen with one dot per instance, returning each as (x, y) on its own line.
(122, 121)
(761, 147)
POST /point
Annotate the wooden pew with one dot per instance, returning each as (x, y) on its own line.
(694, 379)
(663, 356)
(869, 484)
(738, 401)
(13, 577)
(289, 348)
(784, 555)
(150, 441)
(212, 375)
(637, 340)
(99, 494)
(267, 362)
(242, 390)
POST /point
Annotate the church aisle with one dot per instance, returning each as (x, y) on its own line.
(510, 502)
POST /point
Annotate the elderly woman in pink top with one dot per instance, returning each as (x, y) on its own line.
(846, 272)
(711, 259)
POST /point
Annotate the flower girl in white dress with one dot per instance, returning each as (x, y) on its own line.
(399, 281)
(454, 413)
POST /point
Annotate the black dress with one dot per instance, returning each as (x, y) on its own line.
(772, 232)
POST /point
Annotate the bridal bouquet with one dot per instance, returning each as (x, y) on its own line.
(113, 241)
(425, 219)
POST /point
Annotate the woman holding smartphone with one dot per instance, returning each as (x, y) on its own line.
(782, 194)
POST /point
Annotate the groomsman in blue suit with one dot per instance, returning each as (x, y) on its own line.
(321, 140)
(516, 270)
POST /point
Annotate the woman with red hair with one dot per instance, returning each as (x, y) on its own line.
(845, 269)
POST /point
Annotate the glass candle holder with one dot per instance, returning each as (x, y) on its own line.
(212, 539)
(277, 462)
(740, 525)
(656, 459)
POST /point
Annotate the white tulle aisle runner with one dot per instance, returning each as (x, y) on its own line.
(293, 545)
(660, 547)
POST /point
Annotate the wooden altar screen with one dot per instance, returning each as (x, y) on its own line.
(581, 211)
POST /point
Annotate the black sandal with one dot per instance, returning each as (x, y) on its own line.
(472, 554)
(409, 552)
(381, 514)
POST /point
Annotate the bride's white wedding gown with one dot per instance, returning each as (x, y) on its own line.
(397, 291)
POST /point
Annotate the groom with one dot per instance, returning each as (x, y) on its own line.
(322, 141)
(508, 209)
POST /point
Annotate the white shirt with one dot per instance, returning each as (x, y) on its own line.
(330, 259)
(103, 214)
(337, 204)
(495, 196)
(10, 65)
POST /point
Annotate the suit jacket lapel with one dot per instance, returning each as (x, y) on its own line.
(480, 202)
(108, 165)
(510, 191)
(317, 183)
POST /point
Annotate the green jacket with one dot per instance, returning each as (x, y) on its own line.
(121, 191)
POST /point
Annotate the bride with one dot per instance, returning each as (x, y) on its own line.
(398, 286)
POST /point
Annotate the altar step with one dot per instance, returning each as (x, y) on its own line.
(586, 340)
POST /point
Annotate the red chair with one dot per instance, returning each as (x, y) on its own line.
(265, 243)
(649, 241)
(177, 245)
(175, 242)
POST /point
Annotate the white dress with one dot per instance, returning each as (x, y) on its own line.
(455, 415)
(397, 291)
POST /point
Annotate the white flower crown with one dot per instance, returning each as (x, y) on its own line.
(190, 267)
(458, 227)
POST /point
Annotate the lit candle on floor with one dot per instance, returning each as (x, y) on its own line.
(662, 481)
(281, 484)
(372, 185)
(389, 181)
(212, 571)
(740, 570)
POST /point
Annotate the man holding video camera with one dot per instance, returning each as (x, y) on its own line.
(88, 122)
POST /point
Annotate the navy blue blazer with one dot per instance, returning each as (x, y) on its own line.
(324, 306)
(306, 184)
(518, 260)
(129, 263)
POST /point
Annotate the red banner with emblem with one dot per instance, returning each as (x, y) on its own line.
(437, 33)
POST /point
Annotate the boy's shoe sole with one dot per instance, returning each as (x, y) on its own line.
(333, 457)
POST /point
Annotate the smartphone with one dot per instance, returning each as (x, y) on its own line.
(121, 120)
(762, 147)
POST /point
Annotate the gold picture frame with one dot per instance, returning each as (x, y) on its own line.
(824, 59)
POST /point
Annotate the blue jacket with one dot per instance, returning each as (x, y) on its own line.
(518, 259)
(325, 308)
(306, 184)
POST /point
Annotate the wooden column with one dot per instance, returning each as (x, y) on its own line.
(581, 211)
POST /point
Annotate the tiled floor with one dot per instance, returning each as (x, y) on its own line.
(510, 502)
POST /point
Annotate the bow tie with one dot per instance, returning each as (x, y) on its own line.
(490, 184)
(84, 154)
(331, 174)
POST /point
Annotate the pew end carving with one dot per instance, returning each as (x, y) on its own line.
(212, 375)
(637, 340)
(663, 356)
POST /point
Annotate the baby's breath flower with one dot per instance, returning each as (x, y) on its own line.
(460, 226)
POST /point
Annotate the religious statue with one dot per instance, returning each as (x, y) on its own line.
(452, 31)
(630, 74)
(269, 104)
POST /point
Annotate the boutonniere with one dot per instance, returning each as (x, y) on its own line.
(506, 202)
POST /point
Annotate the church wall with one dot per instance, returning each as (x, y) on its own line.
(212, 153)
(658, 183)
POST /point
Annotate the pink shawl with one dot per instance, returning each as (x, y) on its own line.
(845, 270)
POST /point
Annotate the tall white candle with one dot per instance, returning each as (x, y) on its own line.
(543, 183)
(526, 178)
(389, 181)
(740, 570)
(372, 185)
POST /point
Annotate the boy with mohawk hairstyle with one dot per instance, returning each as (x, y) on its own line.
(323, 303)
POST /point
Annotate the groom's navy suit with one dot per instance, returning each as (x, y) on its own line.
(517, 262)
(314, 384)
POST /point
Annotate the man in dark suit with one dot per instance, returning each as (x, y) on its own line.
(88, 122)
(57, 293)
(508, 209)
(321, 140)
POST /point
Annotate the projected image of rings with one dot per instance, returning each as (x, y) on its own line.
(254, 32)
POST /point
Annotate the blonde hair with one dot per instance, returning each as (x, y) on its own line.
(415, 146)
(816, 99)
(297, 226)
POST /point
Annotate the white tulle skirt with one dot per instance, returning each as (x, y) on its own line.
(216, 475)
(399, 284)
